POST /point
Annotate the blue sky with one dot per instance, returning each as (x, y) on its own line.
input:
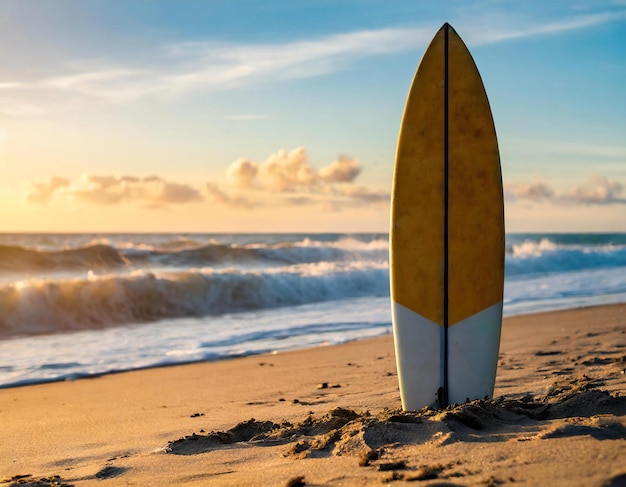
(164, 115)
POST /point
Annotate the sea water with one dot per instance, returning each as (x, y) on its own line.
(86, 304)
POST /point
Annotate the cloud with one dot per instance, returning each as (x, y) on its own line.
(286, 171)
(152, 191)
(216, 195)
(113, 83)
(41, 192)
(598, 190)
(210, 65)
(285, 178)
(342, 170)
(529, 191)
(289, 178)
(291, 171)
(242, 173)
(491, 29)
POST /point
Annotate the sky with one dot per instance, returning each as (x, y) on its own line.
(283, 115)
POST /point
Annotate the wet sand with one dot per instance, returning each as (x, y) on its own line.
(331, 416)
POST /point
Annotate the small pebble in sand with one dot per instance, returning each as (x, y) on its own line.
(296, 401)
(323, 385)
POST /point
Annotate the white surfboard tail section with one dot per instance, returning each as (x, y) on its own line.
(418, 357)
(473, 346)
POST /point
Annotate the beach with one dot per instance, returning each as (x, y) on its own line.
(331, 415)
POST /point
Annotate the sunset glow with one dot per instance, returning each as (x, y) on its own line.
(246, 117)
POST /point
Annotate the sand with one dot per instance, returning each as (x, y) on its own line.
(331, 416)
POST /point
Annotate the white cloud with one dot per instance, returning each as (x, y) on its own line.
(110, 83)
(290, 171)
(492, 29)
(286, 171)
(152, 191)
(242, 173)
(285, 178)
(289, 178)
(343, 169)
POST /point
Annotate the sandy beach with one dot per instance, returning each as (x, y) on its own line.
(331, 416)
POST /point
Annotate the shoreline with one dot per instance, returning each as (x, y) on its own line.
(76, 377)
(324, 408)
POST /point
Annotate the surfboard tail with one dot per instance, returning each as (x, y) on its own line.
(473, 346)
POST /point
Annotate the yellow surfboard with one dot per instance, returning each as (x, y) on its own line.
(447, 233)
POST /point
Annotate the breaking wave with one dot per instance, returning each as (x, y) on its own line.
(104, 256)
(46, 305)
(548, 256)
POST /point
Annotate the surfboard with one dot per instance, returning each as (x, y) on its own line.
(447, 233)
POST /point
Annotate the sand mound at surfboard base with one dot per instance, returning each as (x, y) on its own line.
(570, 408)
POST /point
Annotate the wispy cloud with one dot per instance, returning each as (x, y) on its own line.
(109, 83)
(209, 65)
(493, 29)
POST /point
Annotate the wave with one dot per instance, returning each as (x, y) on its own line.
(525, 254)
(545, 256)
(48, 306)
(187, 253)
(99, 256)
(121, 280)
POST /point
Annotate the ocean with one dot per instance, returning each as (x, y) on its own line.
(76, 305)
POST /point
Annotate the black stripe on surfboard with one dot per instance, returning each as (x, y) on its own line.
(443, 395)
